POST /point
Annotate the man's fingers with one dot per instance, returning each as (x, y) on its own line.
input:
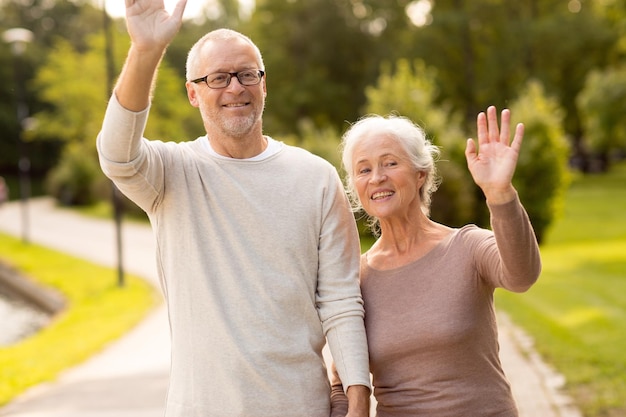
(492, 124)
(179, 9)
(505, 126)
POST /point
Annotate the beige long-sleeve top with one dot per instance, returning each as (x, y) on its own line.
(258, 261)
(431, 325)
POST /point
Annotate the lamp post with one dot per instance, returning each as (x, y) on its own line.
(18, 38)
(115, 193)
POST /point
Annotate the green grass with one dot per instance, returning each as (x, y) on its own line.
(576, 313)
(97, 312)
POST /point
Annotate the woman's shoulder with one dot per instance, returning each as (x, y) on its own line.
(473, 238)
(473, 230)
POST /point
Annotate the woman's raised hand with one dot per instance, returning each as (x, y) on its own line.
(492, 163)
(150, 25)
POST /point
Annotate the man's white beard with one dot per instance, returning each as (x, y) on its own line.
(239, 126)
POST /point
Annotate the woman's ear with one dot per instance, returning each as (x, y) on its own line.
(421, 178)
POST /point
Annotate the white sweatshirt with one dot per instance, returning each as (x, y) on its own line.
(258, 262)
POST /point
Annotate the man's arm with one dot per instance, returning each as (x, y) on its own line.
(339, 299)
(151, 29)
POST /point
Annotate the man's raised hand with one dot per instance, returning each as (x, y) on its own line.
(150, 25)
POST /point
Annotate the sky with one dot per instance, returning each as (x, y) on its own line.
(418, 10)
(116, 8)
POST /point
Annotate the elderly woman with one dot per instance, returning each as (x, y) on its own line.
(428, 288)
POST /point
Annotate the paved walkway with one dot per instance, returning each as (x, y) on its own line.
(129, 378)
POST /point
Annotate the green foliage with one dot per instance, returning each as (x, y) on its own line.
(172, 118)
(74, 86)
(477, 49)
(324, 142)
(556, 59)
(542, 174)
(320, 56)
(409, 89)
(72, 20)
(576, 313)
(93, 300)
(68, 82)
(317, 62)
(72, 181)
(486, 51)
(602, 105)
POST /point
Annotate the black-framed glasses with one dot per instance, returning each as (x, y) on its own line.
(222, 79)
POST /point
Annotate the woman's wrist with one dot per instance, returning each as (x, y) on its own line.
(500, 195)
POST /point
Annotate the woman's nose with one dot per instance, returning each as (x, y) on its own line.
(378, 176)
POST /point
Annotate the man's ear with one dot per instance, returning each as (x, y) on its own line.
(264, 86)
(192, 94)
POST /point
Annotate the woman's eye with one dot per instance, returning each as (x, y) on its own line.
(364, 170)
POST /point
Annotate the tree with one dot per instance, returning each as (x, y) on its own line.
(317, 62)
(602, 104)
(72, 84)
(485, 51)
(72, 20)
(477, 49)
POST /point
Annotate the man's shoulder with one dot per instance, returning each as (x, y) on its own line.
(302, 155)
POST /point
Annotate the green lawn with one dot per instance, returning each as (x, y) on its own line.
(97, 312)
(577, 311)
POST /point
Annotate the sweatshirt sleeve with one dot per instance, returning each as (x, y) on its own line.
(125, 156)
(122, 131)
(514, 262)
(338, 298)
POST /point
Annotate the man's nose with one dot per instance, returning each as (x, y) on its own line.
(235, 85)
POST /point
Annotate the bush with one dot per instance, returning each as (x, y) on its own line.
(542, 174)
(602, 105)
(72, 180)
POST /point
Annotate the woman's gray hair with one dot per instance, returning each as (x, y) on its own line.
(411, 137)
(193, 57)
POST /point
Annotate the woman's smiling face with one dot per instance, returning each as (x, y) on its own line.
(386, 181)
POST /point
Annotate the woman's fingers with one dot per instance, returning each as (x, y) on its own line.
(481, 129)
(519, 136)
(488, 129)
